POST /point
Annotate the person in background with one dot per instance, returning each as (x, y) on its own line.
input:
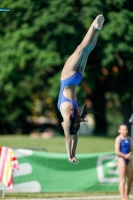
(123, 149)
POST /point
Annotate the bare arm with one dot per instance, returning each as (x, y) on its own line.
(131, 147)
(66, 114)
(66, 126)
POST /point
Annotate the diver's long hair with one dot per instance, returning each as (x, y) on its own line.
(75, 121)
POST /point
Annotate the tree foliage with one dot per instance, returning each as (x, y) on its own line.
(36, 38)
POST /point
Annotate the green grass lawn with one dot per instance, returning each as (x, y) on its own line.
(86, 144)
(58, 195)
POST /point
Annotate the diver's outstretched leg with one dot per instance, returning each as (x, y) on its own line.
(77, 61)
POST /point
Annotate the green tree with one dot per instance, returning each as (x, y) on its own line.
(112, 64)
(28, 56)
(118, 51)
(34, 45)
(36, 38)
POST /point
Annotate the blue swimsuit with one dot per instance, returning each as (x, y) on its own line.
(125, 148)
(75, 79)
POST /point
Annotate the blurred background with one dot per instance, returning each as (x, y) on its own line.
(36, 38)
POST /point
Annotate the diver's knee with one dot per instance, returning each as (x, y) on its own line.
(80, 49)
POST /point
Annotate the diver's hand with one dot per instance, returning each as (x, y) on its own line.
(127, 156)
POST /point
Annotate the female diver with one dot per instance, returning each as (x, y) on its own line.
(123, 149)
(71, 76)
